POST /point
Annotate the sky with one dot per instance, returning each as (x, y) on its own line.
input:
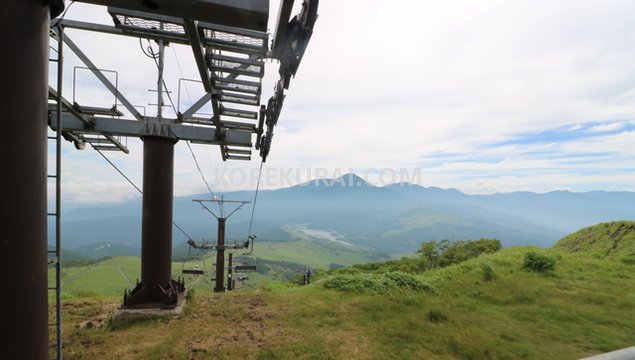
(483, 96)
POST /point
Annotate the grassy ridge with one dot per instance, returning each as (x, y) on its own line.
(613, 239)
(109, 278)
(317, 254)
(489, 307)
(579, 309)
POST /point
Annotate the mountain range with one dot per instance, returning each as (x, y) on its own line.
(389, 219)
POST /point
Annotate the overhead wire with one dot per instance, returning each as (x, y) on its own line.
(136, 187)
(154, 56)
(199, 170)
(59, 19)
(253, 208)
(198, 167)
(178, 65)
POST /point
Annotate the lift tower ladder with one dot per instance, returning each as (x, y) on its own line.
(54, 255)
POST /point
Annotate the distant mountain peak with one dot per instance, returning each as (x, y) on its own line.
(346, 180)
(351, 179)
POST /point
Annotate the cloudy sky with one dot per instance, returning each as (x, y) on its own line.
(483, 96)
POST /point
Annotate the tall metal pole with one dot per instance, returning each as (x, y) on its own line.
(157, 289)
(24, 33)
(58, 197)
(220, 256)
(156, 227)
(230, 258)
(160, 78)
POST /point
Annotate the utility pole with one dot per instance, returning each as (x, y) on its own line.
(230, 268)
(220, 256)
(220, 241)
(157, 285)
(24, 34)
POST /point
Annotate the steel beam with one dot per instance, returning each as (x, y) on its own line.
(284, 13)
(197, 105)
(82, 25)
(24, 34)
(121, 127)
(68, 107)
(249, 14)
(191, 29)
(102, 78)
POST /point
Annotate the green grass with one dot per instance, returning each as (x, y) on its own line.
(317, 254)
(614, 239)
(578, 309)
(109, 278)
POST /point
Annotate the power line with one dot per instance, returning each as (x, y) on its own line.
(59, 19)
(119, 171)
(178, 65)
(167, 91)
(154, 56)
(253, 209)
(136, 187)
(199, 169)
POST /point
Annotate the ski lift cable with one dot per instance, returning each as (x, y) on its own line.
(178, 65)
(154, 56)
(198, 167)
(59, 19)
(138, 189)
(253, 208)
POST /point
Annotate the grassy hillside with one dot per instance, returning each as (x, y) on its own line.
(317, 254)
(579, 309)
(612, 239)
(279, 261)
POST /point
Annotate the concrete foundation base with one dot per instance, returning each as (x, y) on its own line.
(128, 316)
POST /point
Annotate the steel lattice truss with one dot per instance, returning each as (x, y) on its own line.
(230, 45)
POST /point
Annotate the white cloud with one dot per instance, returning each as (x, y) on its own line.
(607, 127)
(395, 83)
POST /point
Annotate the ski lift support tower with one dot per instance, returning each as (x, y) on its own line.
(229, 43)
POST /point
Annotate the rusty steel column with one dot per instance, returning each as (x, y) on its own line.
(24, 33)
(156, 289)
(230, 258)
(220, 256)
(156, 227)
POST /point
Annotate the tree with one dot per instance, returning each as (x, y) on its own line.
(429, 252)
(444, 253)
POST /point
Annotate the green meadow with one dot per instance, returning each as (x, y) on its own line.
(493, 306)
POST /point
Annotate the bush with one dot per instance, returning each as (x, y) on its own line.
(628, 259)
(444, 253)
(403, 280)
(436, 316)
(376, 283)
(539, 263)
(488, 272)
(190, 293)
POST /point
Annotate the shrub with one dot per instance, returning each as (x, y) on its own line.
(407, 281)
(488, 272)
(190, 293)
(444, 253)
(629, 259)
(436, 316)
(376, 283)
(539, 263)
